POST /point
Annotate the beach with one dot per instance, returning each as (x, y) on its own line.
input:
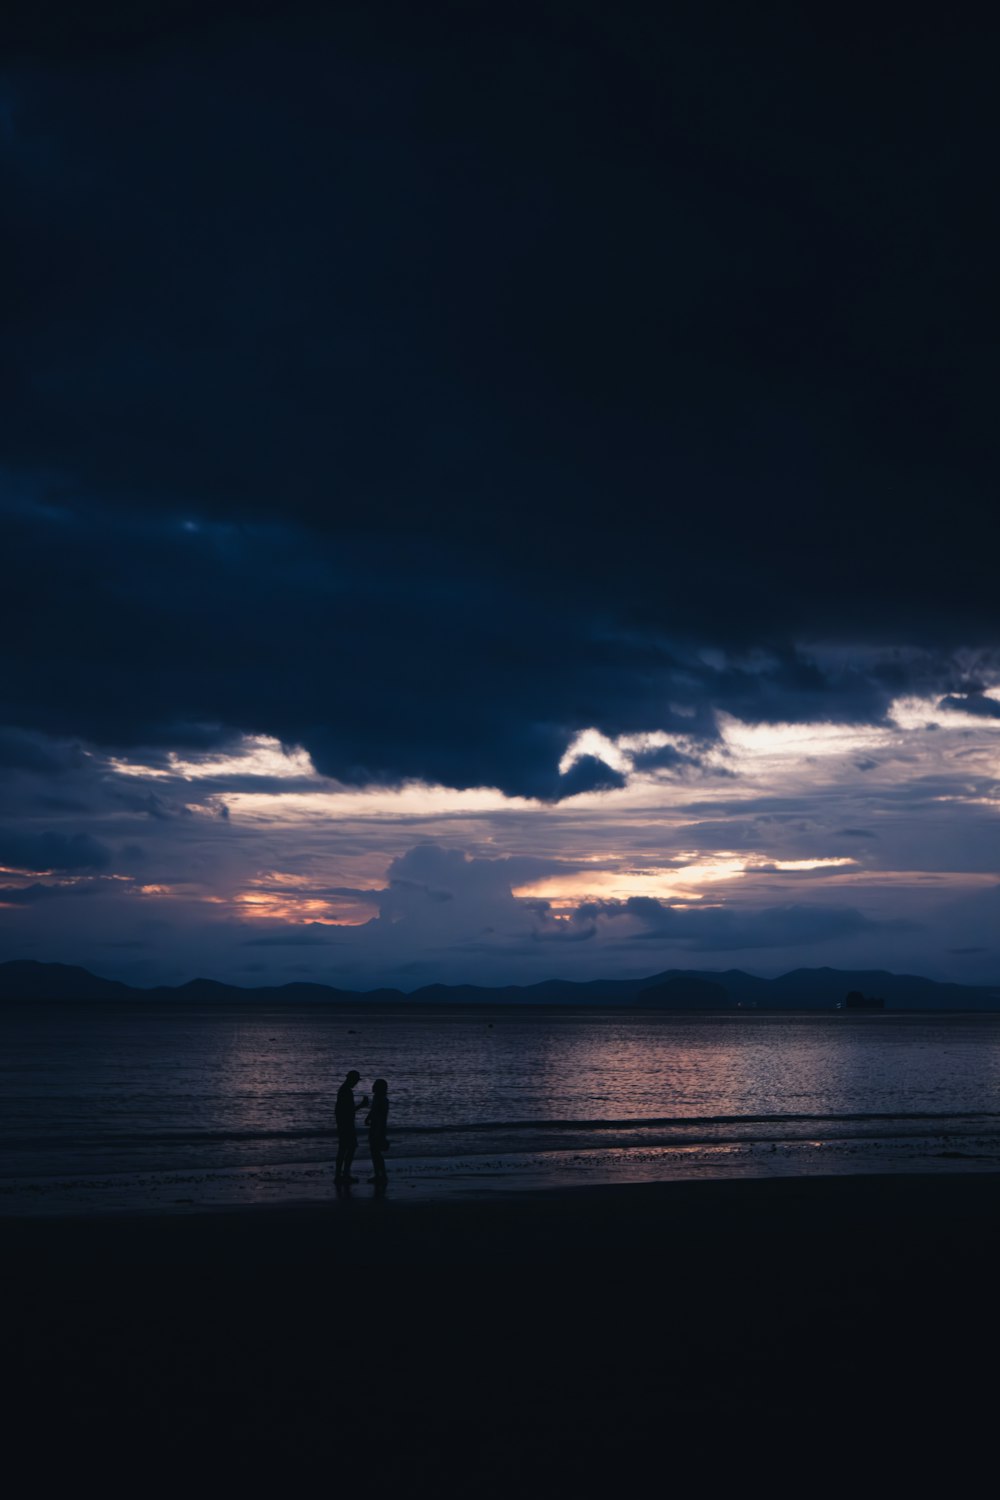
(514, 1342)
(722, 1247)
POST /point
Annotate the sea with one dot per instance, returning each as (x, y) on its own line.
(138, 1108)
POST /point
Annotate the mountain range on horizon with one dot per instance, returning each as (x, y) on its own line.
(674, 989)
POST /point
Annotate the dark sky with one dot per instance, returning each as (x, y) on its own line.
(419, 387)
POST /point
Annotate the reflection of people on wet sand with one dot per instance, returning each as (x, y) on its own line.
(377, 1121)
(347, 1136)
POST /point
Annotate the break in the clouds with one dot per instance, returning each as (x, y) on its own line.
(763, 846)
(489, 496)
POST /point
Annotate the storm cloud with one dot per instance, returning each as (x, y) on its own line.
(288, 289)
(52, 851)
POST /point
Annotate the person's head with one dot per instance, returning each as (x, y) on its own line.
(353, 1079)
(380, 1086)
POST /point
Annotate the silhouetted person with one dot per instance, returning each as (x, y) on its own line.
(347, 1135)
(377, 1121)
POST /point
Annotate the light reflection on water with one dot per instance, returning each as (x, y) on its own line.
(222, 1095)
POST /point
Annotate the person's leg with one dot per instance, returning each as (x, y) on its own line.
(350, 1146)
(378, 1160)
(341, 1154)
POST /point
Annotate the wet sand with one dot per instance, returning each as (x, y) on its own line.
(525, 1342)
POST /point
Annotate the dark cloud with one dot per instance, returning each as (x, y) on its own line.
(24, 850)
(553, 285)
(48, 803)
(681, 762)
(663, 758)
(588, 774)
(30, 895)
(722, 928)
(434, 673)
(973, 703)
(430, 874)
(150, 804)
(668, 349)
(310, 935)
(20, 751)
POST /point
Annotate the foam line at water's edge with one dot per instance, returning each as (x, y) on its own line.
(138, 1139)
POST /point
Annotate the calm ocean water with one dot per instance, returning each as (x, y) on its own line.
(105, 1107)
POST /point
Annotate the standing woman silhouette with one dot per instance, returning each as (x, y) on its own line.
(377, 1121)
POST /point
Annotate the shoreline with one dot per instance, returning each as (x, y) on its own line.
(463, 1177)
(363, 1222)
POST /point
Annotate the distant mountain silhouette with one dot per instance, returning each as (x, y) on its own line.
(675, 989)
(26, 979)
(685, 992)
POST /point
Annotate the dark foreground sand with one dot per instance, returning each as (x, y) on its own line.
(778, 1335)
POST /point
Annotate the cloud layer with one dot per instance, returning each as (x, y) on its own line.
(571, 444)
(768, 850)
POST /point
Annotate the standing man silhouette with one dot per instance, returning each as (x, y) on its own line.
(347, 1136)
